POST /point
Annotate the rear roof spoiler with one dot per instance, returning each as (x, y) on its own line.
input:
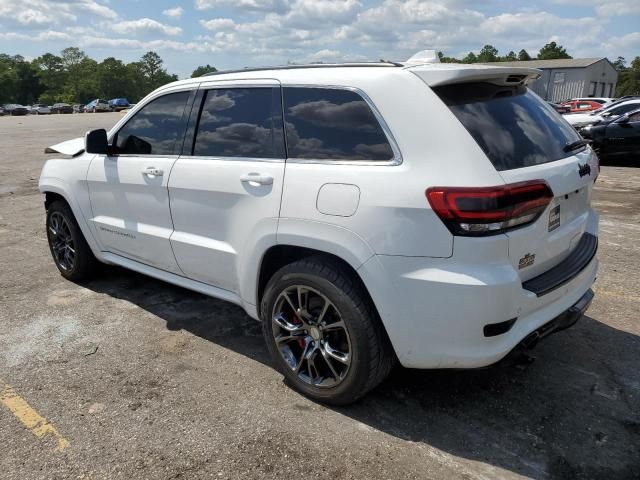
(436, 74)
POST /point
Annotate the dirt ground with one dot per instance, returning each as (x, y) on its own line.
(140, 379)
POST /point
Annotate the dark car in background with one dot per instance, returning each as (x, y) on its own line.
(15, 109)
(616, 138)
(61, 108)
(118, 104)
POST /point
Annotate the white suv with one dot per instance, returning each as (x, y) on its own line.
(437, 215)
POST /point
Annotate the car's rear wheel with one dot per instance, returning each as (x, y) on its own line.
(68, 247)
(323, 332)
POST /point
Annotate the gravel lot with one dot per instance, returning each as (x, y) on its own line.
(146, 380)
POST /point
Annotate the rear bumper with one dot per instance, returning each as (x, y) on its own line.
(563, 321)
(437, 309)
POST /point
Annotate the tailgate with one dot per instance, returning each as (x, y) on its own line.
(538, 247)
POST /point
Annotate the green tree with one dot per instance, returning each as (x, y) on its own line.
(202, 69)
(29, 87)
(8, 78)
(113, 79)
(152, 68)
(72, 61)
(444, 59)
(523, 55)
(51, 73)
(620, 64)
(88, 87)
(552, 51)
(509, 57)
(19, 82)
(488, 53)
(470, 58)
(629, 80)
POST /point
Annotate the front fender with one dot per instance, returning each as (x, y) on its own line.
(67, 178)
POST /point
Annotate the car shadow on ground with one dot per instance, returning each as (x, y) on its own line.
(574, 412)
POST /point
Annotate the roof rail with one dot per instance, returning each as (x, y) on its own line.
(381, 63)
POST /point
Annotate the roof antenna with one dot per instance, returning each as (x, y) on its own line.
(424, 56)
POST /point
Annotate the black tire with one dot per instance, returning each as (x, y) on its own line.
(371, 354)
(84, 262)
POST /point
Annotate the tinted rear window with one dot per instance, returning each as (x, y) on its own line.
(329, 123)
(512, 125)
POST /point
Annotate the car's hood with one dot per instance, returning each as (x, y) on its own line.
(70, 147)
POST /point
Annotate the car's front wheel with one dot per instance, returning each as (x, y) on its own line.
(323, 332)
(69, 249)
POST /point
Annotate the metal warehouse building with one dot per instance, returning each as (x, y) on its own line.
(563, 79)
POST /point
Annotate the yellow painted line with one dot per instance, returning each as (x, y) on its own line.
(32, 420)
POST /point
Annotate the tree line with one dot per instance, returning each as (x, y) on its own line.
(74, 77)
(489, 53)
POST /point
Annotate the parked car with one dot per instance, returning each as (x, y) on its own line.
(612, 110)
(1, 111)
(560, 108)
(15, 109)
(40, 109)
(97, 105)
(118, 104)
(616, 137)
(78, 108)
(600, 100)
(578, 106)
(61, 108)
(420, 220)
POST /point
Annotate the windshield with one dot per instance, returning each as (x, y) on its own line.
(512, 125)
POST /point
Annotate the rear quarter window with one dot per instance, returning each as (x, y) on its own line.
(512, 125)
(332, 124)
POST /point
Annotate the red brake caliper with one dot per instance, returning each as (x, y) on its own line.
(300, 340)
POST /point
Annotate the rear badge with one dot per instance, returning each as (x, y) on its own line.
(584, 170)
(554, 218)
(526, 261)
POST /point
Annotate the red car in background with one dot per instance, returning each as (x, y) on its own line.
(579, 106)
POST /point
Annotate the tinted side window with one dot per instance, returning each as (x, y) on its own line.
(634, 117)
(241, 122)
(622, 109)
(325, 123)
(156, 128)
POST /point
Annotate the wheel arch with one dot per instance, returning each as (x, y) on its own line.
(54, 189)
(281, 255)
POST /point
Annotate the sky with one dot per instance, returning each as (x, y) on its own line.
(244, 33)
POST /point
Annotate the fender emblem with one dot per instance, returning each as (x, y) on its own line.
(526, 261)
(584, 170)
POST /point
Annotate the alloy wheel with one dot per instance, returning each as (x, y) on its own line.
(311, 336)
(61, 240)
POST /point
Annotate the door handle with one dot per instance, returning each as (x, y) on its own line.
(256, 178)
(153, 172)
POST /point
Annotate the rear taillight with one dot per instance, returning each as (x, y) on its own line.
(489, 210)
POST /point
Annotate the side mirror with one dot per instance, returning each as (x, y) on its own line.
(624, 119)
(95, 141)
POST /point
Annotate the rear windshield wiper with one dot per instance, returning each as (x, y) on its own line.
(575, 145)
